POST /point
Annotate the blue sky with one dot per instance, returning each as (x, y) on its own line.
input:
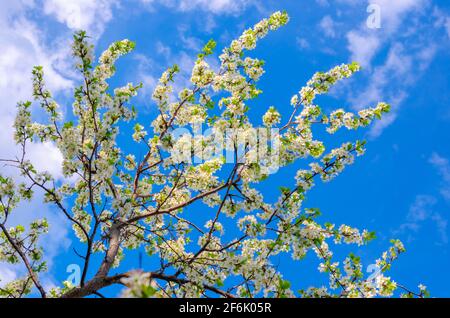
(400, 188)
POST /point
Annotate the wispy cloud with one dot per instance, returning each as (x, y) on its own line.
(150, 68)
(24, 46)
(421, 211)
(328, 26)
(363, 47)
(7, 274)
(213, 6)
(395, 55)
(424, 208)
(443, 167)
(87, 15)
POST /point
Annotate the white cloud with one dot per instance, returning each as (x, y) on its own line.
(392, 80)
(323, 3)
(447, 26)
(441, 224)
(189, 42)
(442, 164)
(396, 67)
(443, 167)
(423, 208)
(421, 211)
(6, 275)
(46, 157)
(213, 6)
(146, 72)
(326, 3)
(442, 20)
(364, 42)
(302, 43)
(362, 47)
(377, 128)
(407, 36)
(392, 12)
(328, 26)
(81, 14)
(23, 46)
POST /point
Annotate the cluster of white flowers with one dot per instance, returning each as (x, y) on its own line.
(253, 68)
(106, 68)
(251, 226)
(16, 288)
(201, 177)
(304, 179)
(139, 133)
(18, 242)
(169, 198)
(249, 38)
(385, 286)
(202, 75)
(124, 201)
(43, 95)
(321, 82)
(349, 235)
(164, 89)
(22, 122)
(139, 285)
(216, 226)
(340, 118)
(84, 219)
(271, 117)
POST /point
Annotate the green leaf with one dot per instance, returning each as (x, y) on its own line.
(68, 124)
